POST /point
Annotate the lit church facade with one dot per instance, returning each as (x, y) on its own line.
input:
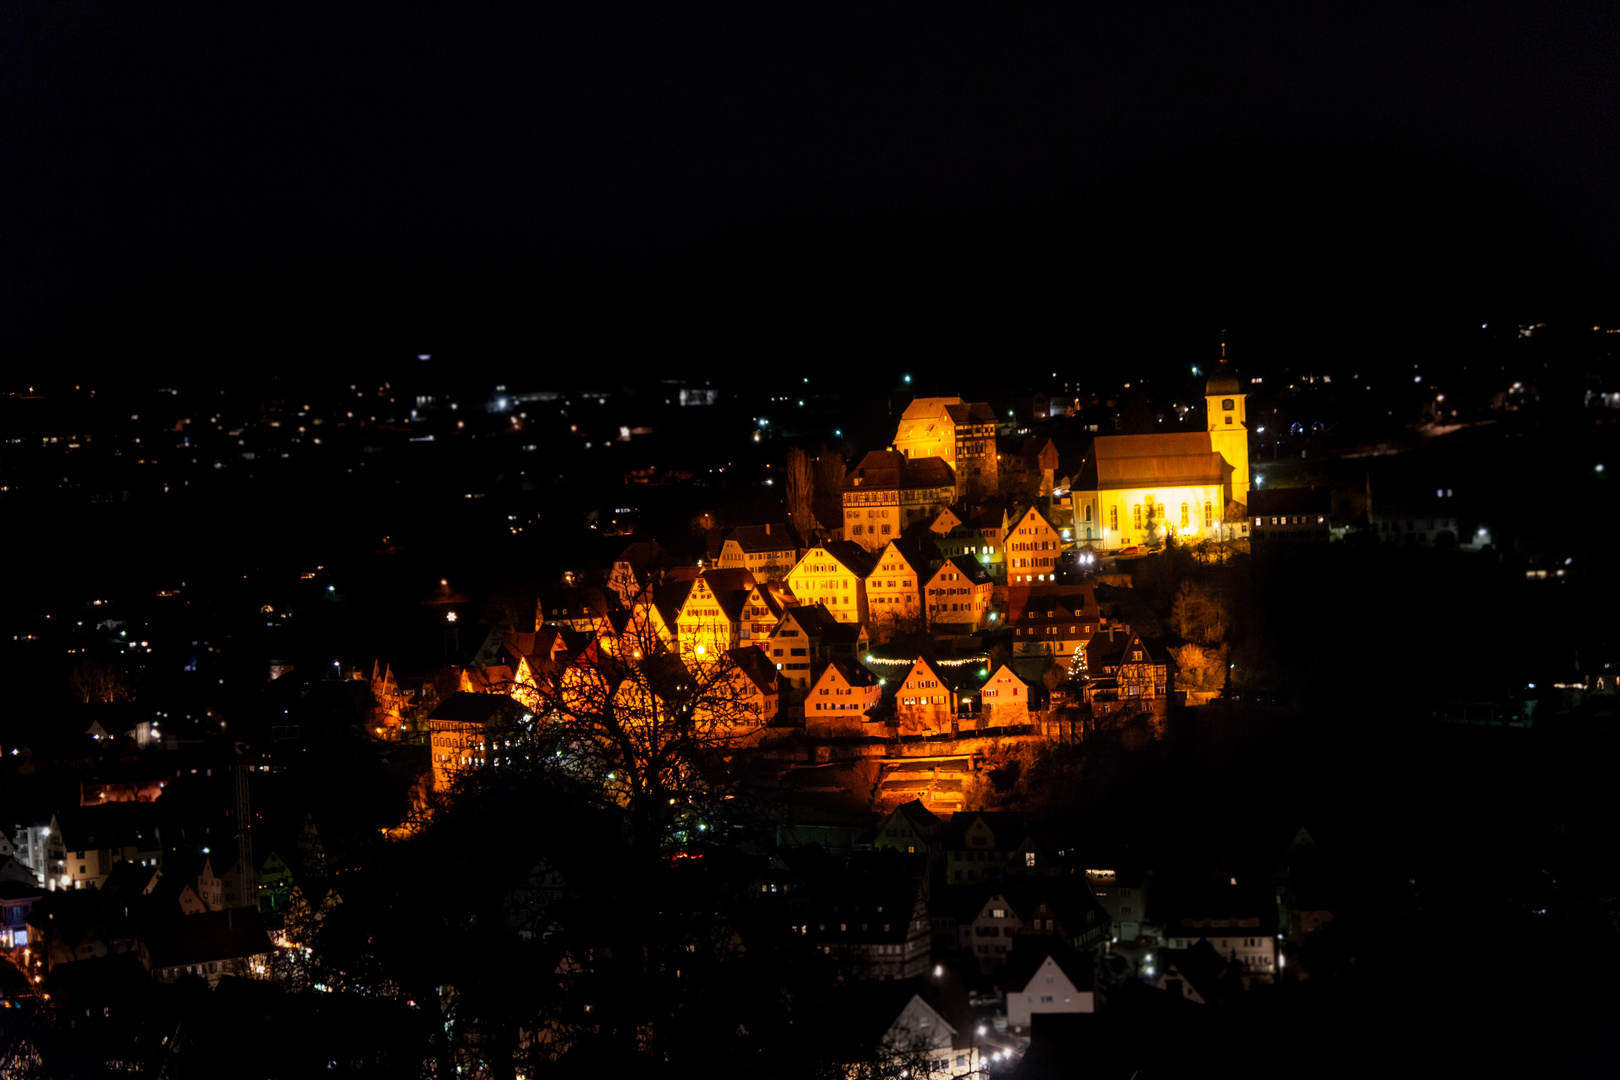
(1193, 485)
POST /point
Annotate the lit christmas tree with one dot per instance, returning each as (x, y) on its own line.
(1078, 672)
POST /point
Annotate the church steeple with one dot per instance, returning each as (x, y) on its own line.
(1228, 429)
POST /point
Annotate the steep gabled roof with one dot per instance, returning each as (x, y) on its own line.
(927, 472)
(643, 556)
(970, 412)
(918, 816)
(889, 470)
(852, 556)
(754, 539)
(1025, 964)
(770, 599)
(996, 674)
(1009, 827)
(756, 666)
(968, 567)
(1035, 510)
(948, 678)
(1128, 461)
(670, 597)
(464, 708)
(854, 675)
(1034, 601)
(914, 550)
(1101, 651)
(813, 619)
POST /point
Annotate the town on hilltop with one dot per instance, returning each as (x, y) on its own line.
(1024, 739)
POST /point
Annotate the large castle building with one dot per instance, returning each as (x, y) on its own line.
(1193, 485)
(960, 433)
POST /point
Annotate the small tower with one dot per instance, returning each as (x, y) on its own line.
(1228, 429)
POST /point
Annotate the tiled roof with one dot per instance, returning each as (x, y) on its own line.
(1127, 461)
(465, 708)
(969, 567)
(887, 470)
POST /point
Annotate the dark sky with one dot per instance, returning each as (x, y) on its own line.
(606, 173)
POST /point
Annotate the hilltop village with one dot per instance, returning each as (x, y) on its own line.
(898, 750)
(936, 626)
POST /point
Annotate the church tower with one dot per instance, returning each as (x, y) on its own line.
(1228, 429)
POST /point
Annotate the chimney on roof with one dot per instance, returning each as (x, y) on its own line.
(767, 528)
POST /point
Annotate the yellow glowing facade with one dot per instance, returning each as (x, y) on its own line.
(1005, 698)
(923, 702)
(839, 701)
(1034, 546)
(1143, 489)
(835, 580)
(709, 623)
(1127, 517)
(894, 591)
(959, 592)
(961, 433)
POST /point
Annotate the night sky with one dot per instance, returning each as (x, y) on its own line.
(1000, 174)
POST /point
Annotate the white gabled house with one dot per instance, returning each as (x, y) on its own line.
(1059, 982)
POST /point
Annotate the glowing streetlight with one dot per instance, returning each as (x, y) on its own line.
(451, 617)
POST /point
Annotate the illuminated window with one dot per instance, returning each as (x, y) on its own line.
(1136, 514)
(1185, 521)
(1113, 518)
(1209, 515)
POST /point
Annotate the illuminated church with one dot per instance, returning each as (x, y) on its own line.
(1194, 485)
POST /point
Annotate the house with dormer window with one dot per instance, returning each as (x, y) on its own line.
(1052, 621)
(980, 535)
(1124, 671)
(887, 491)
(766, 551)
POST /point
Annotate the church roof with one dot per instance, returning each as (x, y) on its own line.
(1222, 382)
(1131, 461)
